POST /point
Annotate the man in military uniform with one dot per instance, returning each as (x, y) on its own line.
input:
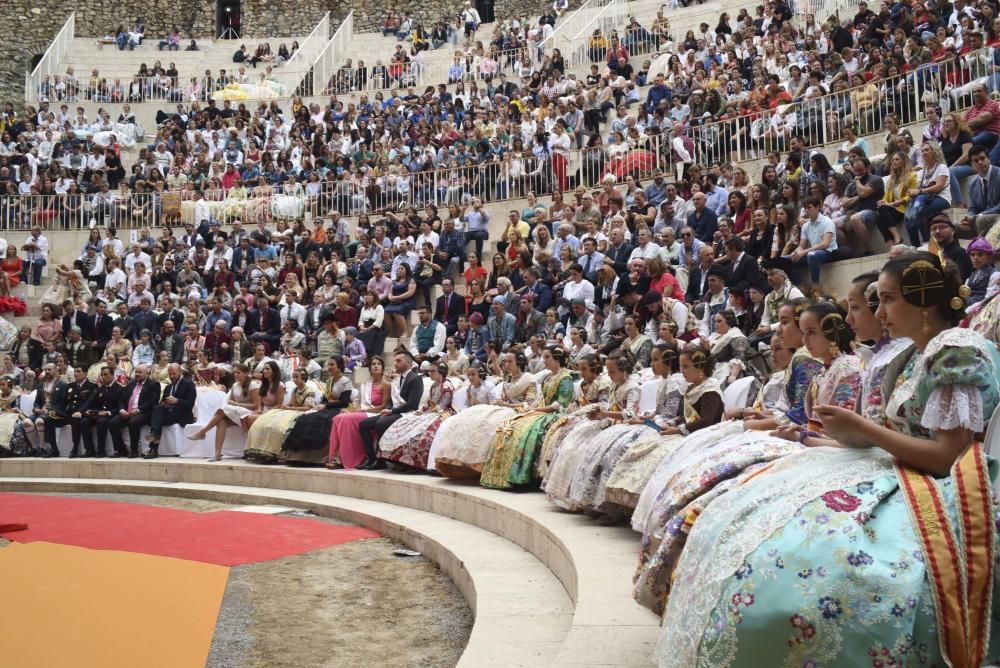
(78, 394)
(98, 411)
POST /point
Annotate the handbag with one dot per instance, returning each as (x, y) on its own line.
(913, 208)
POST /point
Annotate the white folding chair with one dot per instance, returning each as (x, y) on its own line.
(735, 396)
(647, 395)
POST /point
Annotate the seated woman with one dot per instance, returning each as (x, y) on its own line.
(706, 474)
(630, 475)
(511, 459)
(408, 441)
(846, 522)
(267, 434)
(573, 479)
(243, 400)
(160, 371)
(308, 442)
(13, 442)
(272, 390)
(728, 346)
(576, 426)
(10, 271)
(478, 391)
(471, 432)
(346, 450)
(144, 353)
(204, 372)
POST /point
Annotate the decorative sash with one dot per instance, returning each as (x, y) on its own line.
(959, 563)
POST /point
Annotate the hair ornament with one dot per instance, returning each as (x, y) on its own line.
(922, 283)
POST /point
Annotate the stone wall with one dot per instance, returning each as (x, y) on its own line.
(32, 24)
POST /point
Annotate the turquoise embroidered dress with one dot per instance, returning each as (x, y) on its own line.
(815, 561)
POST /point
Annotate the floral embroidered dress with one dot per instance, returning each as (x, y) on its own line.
(577, 473)
(408, 440)
(512, 456)
(267, 434)
(637, 466)
(696, 476)
(471, 433)
(576, 419)
(816, 562)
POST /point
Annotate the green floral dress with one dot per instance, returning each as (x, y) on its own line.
(517, 444)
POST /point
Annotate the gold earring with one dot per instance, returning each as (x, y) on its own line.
(926, 329)
(834, 350)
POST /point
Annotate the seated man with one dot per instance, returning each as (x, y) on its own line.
(407, 390)
(135, 410)
(428, 337)
(176, 407)
(818, 240)
(861, 203)
(984, 194)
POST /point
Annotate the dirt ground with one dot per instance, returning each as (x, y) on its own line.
(348, 605)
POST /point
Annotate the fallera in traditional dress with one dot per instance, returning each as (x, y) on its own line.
(408, 440)
(471, 433)
(511, 459)
(574, 422)
(703, 475)
(818, 560)
(267, 435)
(308, 441)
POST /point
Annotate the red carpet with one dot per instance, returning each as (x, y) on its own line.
(223, 538)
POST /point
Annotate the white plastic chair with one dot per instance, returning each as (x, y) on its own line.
(460, 399)
(991, 442)
(647, 395)
(735, 396)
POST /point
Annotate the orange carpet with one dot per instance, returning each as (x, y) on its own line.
(71, 606)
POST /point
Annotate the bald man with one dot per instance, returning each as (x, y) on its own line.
(176, 407)
(135, 409)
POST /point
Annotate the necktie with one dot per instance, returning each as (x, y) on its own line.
(586, 266)
(447, 301)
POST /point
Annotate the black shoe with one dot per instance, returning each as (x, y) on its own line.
(378, 465)
(133, 454)
(88, 453)
(152, 454)
(73, 454)
(367, 464)
(54, 452)
(100, 454)
(115, 455)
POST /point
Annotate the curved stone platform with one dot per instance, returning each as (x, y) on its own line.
(563, 599)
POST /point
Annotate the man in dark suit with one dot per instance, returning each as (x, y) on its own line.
(50, 407)
(540, 293)
(267, 325)
(73, 317)
(449, 306)
(984, 194)
(618, 252)
(135, 410)
(411, 389)
(169, 312)
(125, 322)
(78, 394)
(170, 341)
(176, 407)
(98, 411)
(698, 275)
(144, 318)
(101, 324)
(315, 314)
(743, 269)
(530, 321)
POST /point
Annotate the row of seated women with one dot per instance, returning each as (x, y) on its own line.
(845, 518)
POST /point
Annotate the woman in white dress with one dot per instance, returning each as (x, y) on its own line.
(243, 400)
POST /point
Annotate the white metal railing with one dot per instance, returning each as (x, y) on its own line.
(751, 134)
(612, 16)
(257, 85)
(494, 179)
(571, 24)
(335, 52)
(301, 62)
(51, 59)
